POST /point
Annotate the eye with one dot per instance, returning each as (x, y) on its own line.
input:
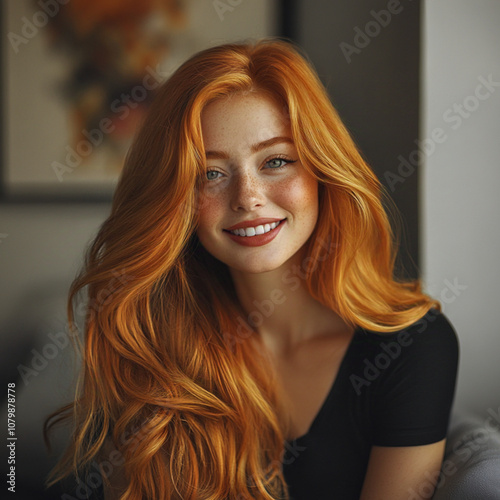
(277, 163)
(212, 175)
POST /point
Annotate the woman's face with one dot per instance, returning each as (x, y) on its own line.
(254, 185)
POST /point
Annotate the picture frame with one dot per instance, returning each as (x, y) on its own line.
(78, 78)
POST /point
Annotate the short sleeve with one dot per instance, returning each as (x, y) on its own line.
(411, 400)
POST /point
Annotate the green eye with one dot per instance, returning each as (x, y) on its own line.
(212, 175)
(276, 162)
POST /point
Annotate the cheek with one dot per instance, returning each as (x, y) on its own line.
(210, 212)
(300, 194)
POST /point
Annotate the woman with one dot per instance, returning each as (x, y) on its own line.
(259, 346)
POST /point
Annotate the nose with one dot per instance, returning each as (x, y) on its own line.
(248, 193)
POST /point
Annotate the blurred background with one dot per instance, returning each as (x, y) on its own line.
(417, 84)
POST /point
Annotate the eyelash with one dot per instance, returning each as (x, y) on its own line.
(286, 161)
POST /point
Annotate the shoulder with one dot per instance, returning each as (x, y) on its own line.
(409, 379)
(412, 396)
(420, 356)
(431, 336)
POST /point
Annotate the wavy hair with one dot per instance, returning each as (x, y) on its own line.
(161, 351)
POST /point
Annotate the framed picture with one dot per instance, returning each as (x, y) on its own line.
(78, 76)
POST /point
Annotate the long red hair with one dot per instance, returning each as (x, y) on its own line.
(162, 353)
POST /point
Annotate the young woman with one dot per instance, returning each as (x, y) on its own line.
(258, 345)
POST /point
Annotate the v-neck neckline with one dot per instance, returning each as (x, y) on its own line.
(331, 391)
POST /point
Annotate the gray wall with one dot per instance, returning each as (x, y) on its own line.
(460, 183)
(367, 55)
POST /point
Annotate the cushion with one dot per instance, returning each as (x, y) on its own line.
(471, 464)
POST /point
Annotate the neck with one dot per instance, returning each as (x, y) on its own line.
(279, 306)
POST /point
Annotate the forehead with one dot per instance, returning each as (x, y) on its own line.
(244, 119)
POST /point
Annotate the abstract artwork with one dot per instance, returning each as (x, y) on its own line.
(79, 76)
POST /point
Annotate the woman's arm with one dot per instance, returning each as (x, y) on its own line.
(403, 473)
(412, 400)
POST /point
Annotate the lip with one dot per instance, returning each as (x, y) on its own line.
(259, 239)
(253, 223)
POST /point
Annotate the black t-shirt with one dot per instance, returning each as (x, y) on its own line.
(391, 390)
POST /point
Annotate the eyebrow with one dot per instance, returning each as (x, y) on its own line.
(220, 155)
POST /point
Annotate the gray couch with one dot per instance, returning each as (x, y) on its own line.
(471, 465)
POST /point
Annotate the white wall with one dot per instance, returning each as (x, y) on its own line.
(460, 184)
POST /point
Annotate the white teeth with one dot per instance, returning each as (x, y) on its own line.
(252, 231)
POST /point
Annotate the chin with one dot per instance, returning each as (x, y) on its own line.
(255, 267)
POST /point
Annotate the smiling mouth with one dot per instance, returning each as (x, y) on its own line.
(257, 230)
